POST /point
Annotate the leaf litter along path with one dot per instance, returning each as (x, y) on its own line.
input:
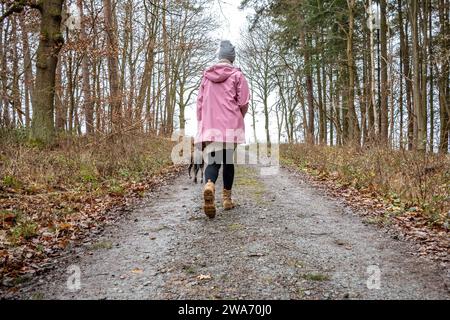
(285, 240)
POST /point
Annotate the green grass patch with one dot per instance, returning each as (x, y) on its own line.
(189, 269)
(102, 245)
(24, 229)
(246, 179)
(11, 182)
(235, 227)
(115, 189)
(316, 277)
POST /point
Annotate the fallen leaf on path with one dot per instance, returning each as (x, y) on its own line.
(256, 254)
(204, 277)
(340, 242)
(137, 270)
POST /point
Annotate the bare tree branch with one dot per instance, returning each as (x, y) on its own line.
(19, 6)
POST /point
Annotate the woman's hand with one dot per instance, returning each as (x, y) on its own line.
(244, 110)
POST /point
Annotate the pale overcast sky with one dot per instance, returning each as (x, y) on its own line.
(232, 20)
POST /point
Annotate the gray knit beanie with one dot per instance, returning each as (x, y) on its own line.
(226, 51)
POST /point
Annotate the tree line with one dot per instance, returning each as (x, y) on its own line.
(100, 66)
(330, 72)
(358, 72)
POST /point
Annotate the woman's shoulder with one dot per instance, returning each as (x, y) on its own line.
(239, 73)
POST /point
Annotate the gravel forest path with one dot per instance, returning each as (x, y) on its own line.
(285, 240)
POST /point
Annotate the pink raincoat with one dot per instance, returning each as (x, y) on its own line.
(222, 104)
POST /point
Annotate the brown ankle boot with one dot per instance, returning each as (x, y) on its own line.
(209, 206)
(228, 204)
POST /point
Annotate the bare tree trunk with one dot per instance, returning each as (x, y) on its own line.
(371, 110)
(2, 71)
(50, 43)
(322, 135)
(5, 117)
(421, 135)
(384, 74)
(253, 111)
(443, 82)
(332, 106)
(16, 98)
(70, 93)
(423, 58)
(266, 118)
(145, 87)
(309, 87)
(343, 114)
(167, 84)
(145, 82)
(340, 117)
(324, 104)
(132, 71)
(408, 83)
(97, 68)
(28, 72)
(355, 132)
(115, 98)
(361, 126)
(60, 108)
(430, 61)
(401, 75)
(86, 86)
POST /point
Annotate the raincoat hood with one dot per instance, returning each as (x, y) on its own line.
(220, 72)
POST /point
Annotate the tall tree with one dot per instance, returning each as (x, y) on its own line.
(115, 98)
(443, 81)
(384, 72)
(28, 72)
(50, 43)
(355, 133)
(87, 101)
(418, 106)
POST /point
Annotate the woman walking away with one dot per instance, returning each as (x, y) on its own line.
(221, 106)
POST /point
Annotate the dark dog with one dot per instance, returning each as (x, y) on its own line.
(197, 160)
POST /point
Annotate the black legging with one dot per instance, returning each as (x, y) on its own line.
(215, 160)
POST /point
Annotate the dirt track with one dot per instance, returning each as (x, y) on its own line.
(285, 240)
